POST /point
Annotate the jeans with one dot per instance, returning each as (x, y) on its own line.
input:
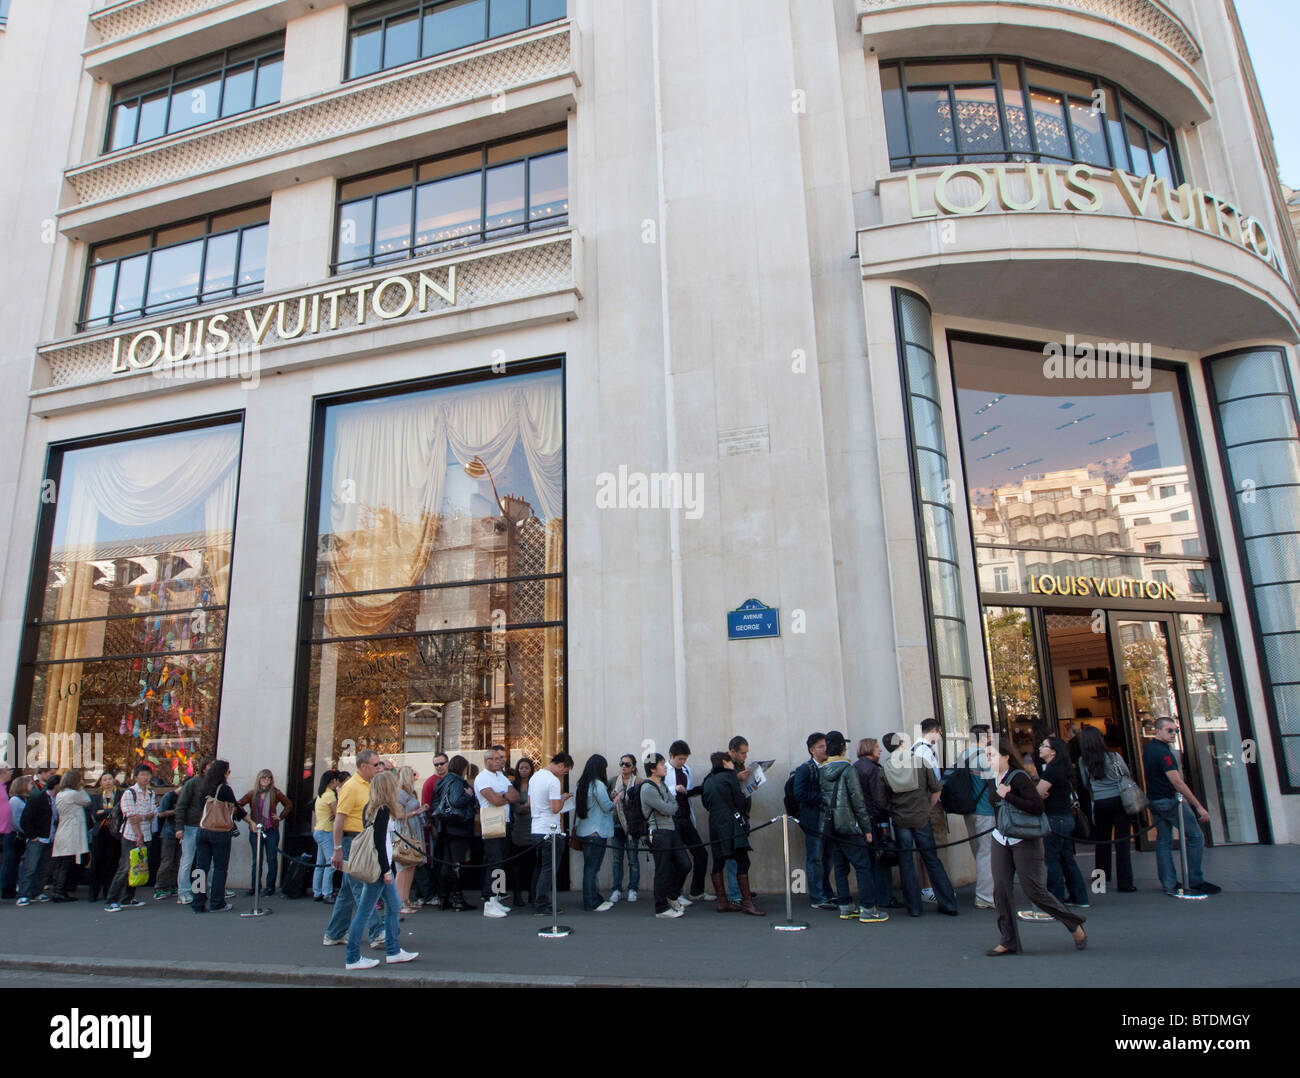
(347, 904)
(367, 895)
(981, 849)
(922, 839)
(733, 887)
(1165, 814)
(1064, 879)
(13, 855)
(189, 844)
(270, 844)
(1111, 821)
(840, 852)
(632, 848)
(593, 854)
(672, 866)
(212, 858)
(817, 864)
(322, 878)
(542, 877)
(36, 866)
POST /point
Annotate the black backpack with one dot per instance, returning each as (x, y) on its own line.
(791, 802)
(960, 793)
(635, 814)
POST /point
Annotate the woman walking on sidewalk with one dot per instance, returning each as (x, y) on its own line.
(1021, 855)
(382, 810)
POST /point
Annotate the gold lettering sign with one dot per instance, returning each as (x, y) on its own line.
(284, 320)
(1053, 187)
(1103, 587)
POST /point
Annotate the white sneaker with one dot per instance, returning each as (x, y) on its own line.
(363, 963)
(676, 904)
(928, 895)
(490, 910)
(606, 905)
(631, 896)
(328, 941)
(615, 896)
(684, 901)
(670, 913)
(402, 956)
(378, 942)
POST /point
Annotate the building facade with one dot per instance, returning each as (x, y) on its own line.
(426, 374)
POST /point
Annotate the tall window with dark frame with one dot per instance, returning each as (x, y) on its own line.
(210, 88)
(466, 197)
(981, 109)
(179, 266)
(395, 32)
(433, 607)
(126, 630)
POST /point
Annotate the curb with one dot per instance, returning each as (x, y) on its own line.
(297, 976)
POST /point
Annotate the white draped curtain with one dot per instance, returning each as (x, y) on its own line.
(134, 484)
(389, 472)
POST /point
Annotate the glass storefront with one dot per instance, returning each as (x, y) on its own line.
(129, 641)
(1096, 578)
(436, 603)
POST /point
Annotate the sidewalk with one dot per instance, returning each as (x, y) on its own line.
(1244, 937)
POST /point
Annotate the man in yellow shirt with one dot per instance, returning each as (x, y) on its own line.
(353, 797)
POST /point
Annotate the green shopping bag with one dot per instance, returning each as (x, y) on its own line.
(138, 875)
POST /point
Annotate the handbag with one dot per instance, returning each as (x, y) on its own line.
(1131, 795)
(1082, 825)
(1016, 823)
(217, 815)
(363, 860)
(493, 818)
(138, 875)
(406, 852)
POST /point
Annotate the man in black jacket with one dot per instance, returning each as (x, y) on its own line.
(808, 792)
(37, 823)
(185, 827)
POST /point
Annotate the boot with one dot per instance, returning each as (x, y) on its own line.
(747, 898)
(720, 890)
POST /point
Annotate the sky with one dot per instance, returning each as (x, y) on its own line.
(1272, 29)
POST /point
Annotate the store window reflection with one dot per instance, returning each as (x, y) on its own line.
(437, 612)
(131, 634)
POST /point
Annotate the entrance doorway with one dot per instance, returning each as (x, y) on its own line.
(1120, 671)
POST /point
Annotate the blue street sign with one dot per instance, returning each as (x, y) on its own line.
(752, 620)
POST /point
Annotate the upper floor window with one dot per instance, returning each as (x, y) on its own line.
(210, 88)
(210, 258)
(970, 110)
(394, 32)
(461, 198)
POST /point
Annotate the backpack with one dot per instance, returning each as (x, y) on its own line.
(634, 812)
(961, 790)
(791, 802)
(901, 770)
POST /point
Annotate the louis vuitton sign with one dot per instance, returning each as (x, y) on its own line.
(297, 317)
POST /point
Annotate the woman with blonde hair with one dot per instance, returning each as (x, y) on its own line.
(70, 839)
(411, 842)
(383, 811)
(267, 806)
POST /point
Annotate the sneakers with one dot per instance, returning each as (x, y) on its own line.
(615, 896)
(28, 902)
(928, 895)
(1034, 915)
(133, 904)
(46, 898)
(401, 956)
(631, 896)
(871, 916)
(223, 909)
(112, 907)
(330, 941)
(604, 906)
(361, 963)
(1204, 888)
(825, 906)
(183, 901)
(848, 913)
(682, 900)
(703, 896)
(379, 942)
(670, 913)
(984, 904)
(491, 909)
(677, 904)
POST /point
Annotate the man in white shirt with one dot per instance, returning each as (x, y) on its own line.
(494, 790)
(927, 749)
(139, 813)
(546, 802)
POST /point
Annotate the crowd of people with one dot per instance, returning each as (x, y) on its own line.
(387, 846)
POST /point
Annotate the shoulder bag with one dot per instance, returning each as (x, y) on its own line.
(363, 859)
(217, 815)
(1016, 823)
(1131, 795)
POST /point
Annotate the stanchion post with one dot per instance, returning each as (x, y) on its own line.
(791, 925)
(556, 930)
(1184, 889)
(257, 910)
